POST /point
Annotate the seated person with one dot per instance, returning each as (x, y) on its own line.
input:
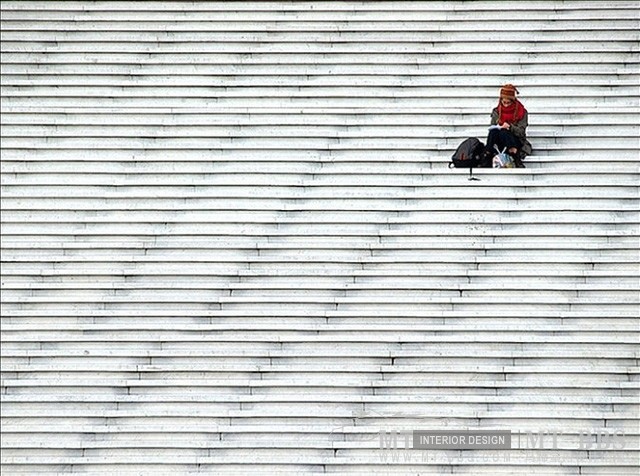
(512, 119)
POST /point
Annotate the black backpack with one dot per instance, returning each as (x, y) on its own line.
(471, 153)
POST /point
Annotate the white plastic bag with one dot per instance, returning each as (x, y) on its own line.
(502, 160)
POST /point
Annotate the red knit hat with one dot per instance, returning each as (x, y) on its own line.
(508, 91)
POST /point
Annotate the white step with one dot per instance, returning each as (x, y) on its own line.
(323, 349)
(404, 12)
(318, 397)
(288, 116)
(26, 46)
(254, 6)
(387, 101)
(166, 131)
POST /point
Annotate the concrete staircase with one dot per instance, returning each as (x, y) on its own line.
(231, 242)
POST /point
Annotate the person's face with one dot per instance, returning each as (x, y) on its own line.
(506, 102)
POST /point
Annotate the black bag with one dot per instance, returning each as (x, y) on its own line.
(470, 154)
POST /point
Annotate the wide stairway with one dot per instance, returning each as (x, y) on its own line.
(231, 241)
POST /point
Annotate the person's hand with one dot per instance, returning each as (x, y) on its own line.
(506, 125)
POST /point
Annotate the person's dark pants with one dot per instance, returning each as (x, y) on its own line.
(503, 138)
